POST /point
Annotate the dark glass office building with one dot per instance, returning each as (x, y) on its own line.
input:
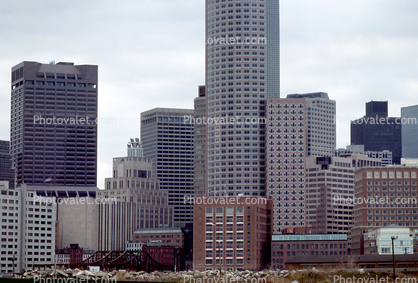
(6, 171)
(167, 137)
(378, 132)
(53, 124)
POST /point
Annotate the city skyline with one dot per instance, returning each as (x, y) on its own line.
(356, 52)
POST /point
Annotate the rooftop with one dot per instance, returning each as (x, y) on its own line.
(310, 237)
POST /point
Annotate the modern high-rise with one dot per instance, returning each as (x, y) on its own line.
(378, 132)
(242, 70)
(6, 171)
(167, 137)
(298, 126)
(200, 143)
(409, 117)
(321, 129)
(330, 191)
(53, 124)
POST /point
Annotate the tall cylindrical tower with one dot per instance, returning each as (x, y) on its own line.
(242, 70)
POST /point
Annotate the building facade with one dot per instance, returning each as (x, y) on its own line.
(378, 132)
(167, 137)
(384, 196)
(131, 200)
(28, 230)
(53, 124)
(82, 213)
(330, 191)
(385, 156)
(409, 117)
(379, 241)
(200, 143)
(168, 236)
(231, 233)
(134, 148)
(305, 245)
(320, 120)
(242, 70)
(298, 126)
(6, 171)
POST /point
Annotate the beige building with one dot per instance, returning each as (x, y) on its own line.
(77, 218)
(131, 200)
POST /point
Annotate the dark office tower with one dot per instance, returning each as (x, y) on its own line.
(242, 70)
(6, 171)
(409, 131)
(378, 132)
(53, 124)
(167, 139)
(377, 108)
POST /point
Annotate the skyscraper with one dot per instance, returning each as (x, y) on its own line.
(200, 143)
(321, 130)
(298, 126)
(242, 70)
(6, 171)
(167, 137)
(378, 132)
(53, 124)
(409, 131)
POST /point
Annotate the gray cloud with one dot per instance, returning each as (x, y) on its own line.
(151, 54)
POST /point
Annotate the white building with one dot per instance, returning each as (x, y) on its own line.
(28, 230)
(384, 155)
(380, 240)
(134, 246)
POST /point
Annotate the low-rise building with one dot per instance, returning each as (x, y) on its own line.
(304, 245)
(168, 236)
(379, 241)
(136, 247)
(231, 233)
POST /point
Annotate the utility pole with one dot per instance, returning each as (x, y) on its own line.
(393, 257)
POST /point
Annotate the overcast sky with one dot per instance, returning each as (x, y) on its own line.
(150, 54)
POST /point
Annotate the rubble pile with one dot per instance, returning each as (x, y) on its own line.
(70, 275)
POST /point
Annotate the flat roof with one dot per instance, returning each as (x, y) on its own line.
(309, 237)
(158, 230)
(373, 258)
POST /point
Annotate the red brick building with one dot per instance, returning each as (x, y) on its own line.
(172, 237)
(231, 233)
(171, 257)
(383, 196)
(306, 245)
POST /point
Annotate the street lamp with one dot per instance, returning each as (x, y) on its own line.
(393, 256)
